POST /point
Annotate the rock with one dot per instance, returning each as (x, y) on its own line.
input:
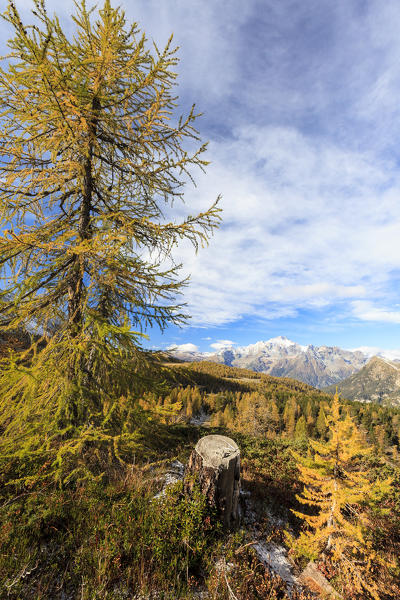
(200, 419)
(215, 462)
(175, 473)
(275, 557)
(317, 583)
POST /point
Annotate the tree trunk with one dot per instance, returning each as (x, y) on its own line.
(84, 226)
(215, 463)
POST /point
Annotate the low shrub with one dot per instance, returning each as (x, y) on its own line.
(103, 542)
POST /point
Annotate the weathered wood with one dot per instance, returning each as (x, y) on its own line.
(317, 582)
(215, 463)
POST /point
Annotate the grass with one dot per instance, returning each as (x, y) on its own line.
(112, 539)
(105, 541)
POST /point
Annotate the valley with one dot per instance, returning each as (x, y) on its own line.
(357, 374)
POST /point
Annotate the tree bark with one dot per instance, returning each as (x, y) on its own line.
(215, 463)
(84, 228)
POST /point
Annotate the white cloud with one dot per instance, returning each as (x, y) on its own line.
(366, 311)
(302, 227)
(222, 344)
(368, 350)
(390, 354)
(393, 354)
(184, 348)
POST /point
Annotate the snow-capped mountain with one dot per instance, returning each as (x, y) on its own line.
(319, 366)
(275, 346)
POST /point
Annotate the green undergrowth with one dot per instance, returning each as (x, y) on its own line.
(97, 531)
(113, 540)
(101, 541)
(110, 538)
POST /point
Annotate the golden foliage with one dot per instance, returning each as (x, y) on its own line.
(337, 492)
(91, 156)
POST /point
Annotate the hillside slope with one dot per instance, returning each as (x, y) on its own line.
(257, 403)
(378, 381)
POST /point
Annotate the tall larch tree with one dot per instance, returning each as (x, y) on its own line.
(337, 493)
(289, 416)
(300, 432)
(92, 159)
(309, 417)
(274, 415)
(322, 424)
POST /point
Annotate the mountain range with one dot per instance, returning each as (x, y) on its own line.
(378, 381)
(319, 366)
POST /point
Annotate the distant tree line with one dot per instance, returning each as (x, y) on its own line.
(260, 405)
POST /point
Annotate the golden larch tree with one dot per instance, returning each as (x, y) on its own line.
(92, 158)
(337, 491)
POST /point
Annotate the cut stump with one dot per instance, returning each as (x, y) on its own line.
(215, 463)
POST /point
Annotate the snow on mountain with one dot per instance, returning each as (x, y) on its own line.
(370, 351)
(276, 345)
(319, 366)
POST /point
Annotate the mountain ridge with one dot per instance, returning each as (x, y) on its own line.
(319, 366)
(378, 381)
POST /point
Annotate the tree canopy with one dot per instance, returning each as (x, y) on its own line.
(91, 157)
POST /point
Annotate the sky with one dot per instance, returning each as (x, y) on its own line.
(301, 107)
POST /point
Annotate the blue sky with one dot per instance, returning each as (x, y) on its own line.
(301, 103)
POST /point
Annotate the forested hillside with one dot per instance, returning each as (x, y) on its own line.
(378, 381)
(109, 533)
(256, 403)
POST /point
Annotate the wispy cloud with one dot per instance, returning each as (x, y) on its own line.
(304, 149)
(366, 311)
(184, 348)
(222, 344)
(377, 351)
(303, 227)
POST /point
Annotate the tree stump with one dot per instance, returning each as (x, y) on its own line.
(215, 463)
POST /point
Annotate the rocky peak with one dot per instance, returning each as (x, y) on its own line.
(316, 365)
(378, 381)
